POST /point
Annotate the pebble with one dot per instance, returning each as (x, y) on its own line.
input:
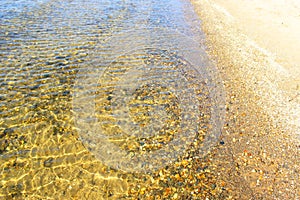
(175, 196)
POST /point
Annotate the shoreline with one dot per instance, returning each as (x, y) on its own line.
(263, 102)
(275, 84)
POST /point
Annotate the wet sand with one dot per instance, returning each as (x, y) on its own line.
(255, 46)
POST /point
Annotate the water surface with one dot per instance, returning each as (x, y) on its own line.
(105, 99)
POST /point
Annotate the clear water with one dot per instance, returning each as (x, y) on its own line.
(98, 97)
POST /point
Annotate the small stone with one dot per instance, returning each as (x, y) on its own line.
(48, 162)
(185, 162)
(175, 196)
(168, 191)
(143, 190)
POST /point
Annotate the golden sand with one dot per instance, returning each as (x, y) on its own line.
(262, 132)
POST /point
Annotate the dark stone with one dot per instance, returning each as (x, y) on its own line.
(48, 162)
(7, 131)
(109, 98)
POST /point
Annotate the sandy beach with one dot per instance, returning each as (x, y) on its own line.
(119, 99)
(256, 45)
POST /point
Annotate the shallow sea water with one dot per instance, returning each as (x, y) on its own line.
(106, 99)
